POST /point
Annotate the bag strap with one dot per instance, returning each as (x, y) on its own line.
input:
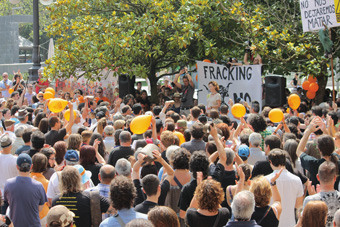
(217, 220)
(265, 215)
(120, 220)
(178, 183)
(96, 215)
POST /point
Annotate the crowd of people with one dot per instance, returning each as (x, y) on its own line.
(195, 165)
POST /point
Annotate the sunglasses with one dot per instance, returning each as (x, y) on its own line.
(77, 93)
(40, 96)
(99, 92)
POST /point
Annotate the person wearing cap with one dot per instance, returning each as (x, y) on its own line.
(181, 125)
(26, 197)
(59, 216)
(73, 197)
(58, 133)
(71, 159)
(8, 164)
(177, 103)
(243, 152)
(18, 141)
(22, 116)
(9, 124)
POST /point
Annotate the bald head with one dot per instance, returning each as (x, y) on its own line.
(106, 174)
(5, 76)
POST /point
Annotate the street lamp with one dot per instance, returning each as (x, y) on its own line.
(33, 71)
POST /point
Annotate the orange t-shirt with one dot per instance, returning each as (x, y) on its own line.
(39, 177)
(105, 99)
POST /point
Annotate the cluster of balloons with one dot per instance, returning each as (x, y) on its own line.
(311, 86)
(49, 93)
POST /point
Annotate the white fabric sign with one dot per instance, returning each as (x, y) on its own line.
(237, 82)
(315, 13)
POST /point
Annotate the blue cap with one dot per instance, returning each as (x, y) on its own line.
(243, 151)
(72, 156)
(24, 158)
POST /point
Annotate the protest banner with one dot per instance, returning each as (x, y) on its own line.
(317, 13)
(337, 10)
(235, 82)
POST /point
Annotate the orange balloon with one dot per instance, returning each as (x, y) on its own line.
(67, 114)
(310, 94)
(305, 85)
(313, 87)
(10, 90)
(180, 137)
(207, 60)
(238, 110)
(140, 124)
(275, 115)
(48, 95)
(312, 79)
(50, 90)
(294, 101)
(57, 105)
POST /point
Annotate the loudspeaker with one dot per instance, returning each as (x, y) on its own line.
(275, 91)
(126, 85)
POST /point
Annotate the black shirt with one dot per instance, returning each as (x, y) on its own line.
(94, 169)
(165, 187)
(54, 136)
(79, 204)
(195, 219)
(145, 206)
(264, 217)
(31, 152)
(187, 193)
(118, 153)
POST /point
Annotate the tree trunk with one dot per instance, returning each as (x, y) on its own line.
(322, 82)
(153, 82)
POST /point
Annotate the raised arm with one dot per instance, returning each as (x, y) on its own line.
(221, 153)
(70, 123)
(176, 79)
(312, 127)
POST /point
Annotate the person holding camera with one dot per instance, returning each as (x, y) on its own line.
(187, 89)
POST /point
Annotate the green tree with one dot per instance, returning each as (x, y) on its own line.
(275, 30)
(138, 37)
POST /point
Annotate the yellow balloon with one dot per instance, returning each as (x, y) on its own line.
(48, 95)
(57, 105)
(275, 115)
(67, 114)
(294, 101)
(238, 110)
(10, 90)
(140, 124)
(180, 137)
(50, 90)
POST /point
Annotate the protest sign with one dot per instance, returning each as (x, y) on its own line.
(337, 10)
(236, 82)
(317, 13)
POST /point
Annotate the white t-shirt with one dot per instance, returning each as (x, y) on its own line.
(109, 143)
(212, 100)
(290, 188)
(53, 186)
(8, 169)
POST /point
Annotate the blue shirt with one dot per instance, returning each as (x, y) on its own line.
(126, 214)
(5, 93)
(104, 190)
(24, 196)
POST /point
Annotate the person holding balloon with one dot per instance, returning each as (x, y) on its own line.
(214, 98)
(5, 85)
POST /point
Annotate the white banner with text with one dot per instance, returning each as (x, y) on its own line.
(237, 82)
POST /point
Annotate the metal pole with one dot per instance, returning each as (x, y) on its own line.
(332, 67)
(33, 71)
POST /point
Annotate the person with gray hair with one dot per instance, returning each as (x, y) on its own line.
(336, 219)
(109, 140)
(256, 154)
(242, 208)
(123, 151)
(123, 168)
(18, 142)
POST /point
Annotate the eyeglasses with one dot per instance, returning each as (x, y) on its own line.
(99, 92)
(77, 93)
(52, 159)
(40, 96)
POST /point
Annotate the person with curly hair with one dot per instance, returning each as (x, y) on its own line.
(258, 124)
(209, 195)
(122, 195)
